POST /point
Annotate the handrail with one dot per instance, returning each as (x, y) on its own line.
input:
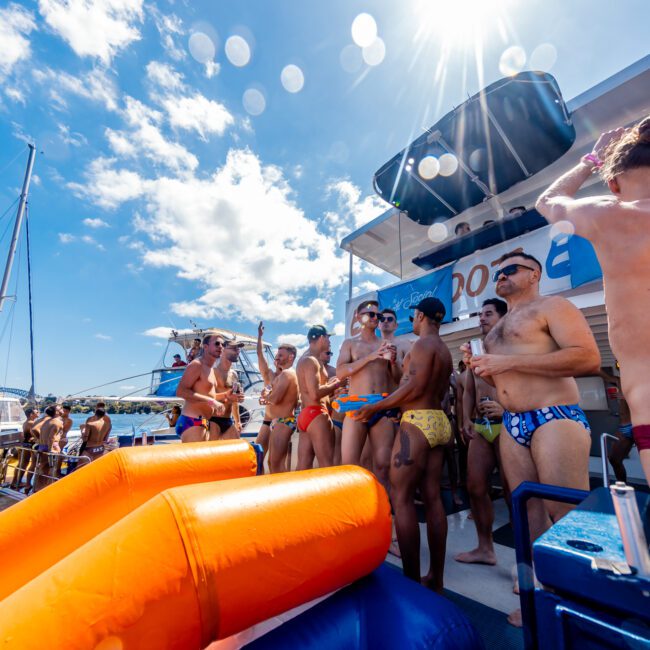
(523, 548)
(36, 463)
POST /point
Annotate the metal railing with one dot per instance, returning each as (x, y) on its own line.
(39, 468)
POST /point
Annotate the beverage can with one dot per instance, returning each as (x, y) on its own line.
(476, 346)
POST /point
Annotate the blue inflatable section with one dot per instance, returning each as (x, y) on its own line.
(382, 610)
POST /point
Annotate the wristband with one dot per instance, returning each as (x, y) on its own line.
(594, 159)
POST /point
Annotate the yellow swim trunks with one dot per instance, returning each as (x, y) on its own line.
(490, 433)
(433, 424)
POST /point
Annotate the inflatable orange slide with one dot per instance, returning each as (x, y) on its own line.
(202, 562)
(45, 527)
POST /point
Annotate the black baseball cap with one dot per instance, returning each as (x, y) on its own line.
(432, 308)
(317, 331)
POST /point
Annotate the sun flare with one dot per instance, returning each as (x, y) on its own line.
(460, 23)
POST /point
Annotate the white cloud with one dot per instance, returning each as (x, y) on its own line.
(91, 241)
(298, 340)
(99, 28)
(198, 113)
(237, 233)
(15, 94)
(368, 285)
(95, 223)
(103, 337)
(164, 76)
(146, 138)
(109, 187)
(163, 332)
(36, 179)
(129, 387)
(66, 238)
(170, 28)
(72, 138)
(95, 86)
(212, 68)
(339, 329)
(15, 24)
(352, 210)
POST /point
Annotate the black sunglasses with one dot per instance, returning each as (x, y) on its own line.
(220, 344)
(388, 319)
(372, 314)
(511, 269)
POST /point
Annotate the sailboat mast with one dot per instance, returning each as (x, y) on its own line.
(17, 225)
(32, 390)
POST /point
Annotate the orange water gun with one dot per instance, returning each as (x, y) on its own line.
(347, 403)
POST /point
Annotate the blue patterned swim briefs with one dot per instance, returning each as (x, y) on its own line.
(521, 426)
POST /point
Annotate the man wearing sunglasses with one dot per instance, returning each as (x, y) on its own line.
(368, 361)
(533, 354)
(198, 387)
(228, 426)
(387, 328)
(418, 452)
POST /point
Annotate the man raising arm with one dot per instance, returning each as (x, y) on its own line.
(618, 227)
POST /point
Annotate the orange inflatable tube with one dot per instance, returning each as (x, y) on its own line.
(201, 562)
(40, 530)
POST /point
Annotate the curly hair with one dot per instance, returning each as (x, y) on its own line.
(630, 151)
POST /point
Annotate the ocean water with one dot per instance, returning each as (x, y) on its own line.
(123, 423)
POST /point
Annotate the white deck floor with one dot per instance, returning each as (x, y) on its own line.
(489, 585)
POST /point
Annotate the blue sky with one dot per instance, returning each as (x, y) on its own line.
(179, 179)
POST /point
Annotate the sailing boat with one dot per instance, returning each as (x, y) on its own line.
(12, 415)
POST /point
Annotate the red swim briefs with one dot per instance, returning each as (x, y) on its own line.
(642, 436)
(308, 414)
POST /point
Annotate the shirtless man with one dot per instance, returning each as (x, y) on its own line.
(370, 364)
(418, 452)
(305, 450)
(264, 434)
(106, 421)
(315, 388)
(48, 443)
(228, 425)
(532, 356)
(25, 447)
(94, 434)
(195, 351)
(387, 328)
(67, 425)
(198, 387)
(482, 416)
(337, 418)
(617, 226)
(281, 399)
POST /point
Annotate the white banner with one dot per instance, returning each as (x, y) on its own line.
(472, 276)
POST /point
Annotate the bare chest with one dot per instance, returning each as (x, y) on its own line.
(361, 349)
(518, 329)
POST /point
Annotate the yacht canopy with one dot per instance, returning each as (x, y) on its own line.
(392, 240)
(504, 134)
